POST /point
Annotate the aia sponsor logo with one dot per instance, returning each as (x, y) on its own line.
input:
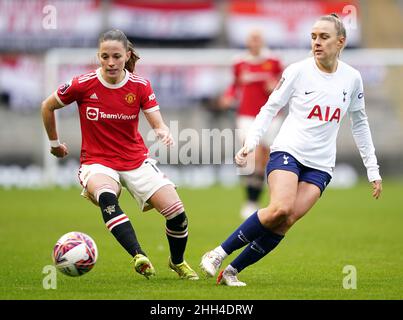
(325, 113)
(92, 113)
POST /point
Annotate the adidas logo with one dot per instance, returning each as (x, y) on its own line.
(94, 96)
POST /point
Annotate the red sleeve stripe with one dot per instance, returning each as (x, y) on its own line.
(116, 221)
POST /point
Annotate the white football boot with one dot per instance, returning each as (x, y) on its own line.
(228, 277)
(210, 263)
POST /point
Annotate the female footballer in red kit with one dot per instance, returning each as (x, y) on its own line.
(113, 154)
(255, 75)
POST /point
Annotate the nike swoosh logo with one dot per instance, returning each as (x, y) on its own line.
(309, 92)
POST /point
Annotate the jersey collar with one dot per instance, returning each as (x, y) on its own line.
(109, 85)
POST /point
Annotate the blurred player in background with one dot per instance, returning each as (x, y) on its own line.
(113, 154)
(320, 90)
(255, 75)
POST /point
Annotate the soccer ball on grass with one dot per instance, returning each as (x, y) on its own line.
(75, 253)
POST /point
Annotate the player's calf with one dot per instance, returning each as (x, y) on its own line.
(118, 223)
(176, 230)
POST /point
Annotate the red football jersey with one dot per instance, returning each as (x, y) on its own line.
(109, 118)
(251, 75)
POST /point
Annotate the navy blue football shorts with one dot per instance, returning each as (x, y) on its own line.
(284, 161)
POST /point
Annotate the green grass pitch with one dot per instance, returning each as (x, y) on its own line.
(346, 227)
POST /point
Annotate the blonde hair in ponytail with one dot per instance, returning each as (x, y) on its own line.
(338, 24)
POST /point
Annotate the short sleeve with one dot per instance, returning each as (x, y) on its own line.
(68, 92)
(357, 98)
(148, 100)
(286, 86)
(278, 68)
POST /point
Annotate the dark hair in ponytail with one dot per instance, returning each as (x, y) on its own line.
(131, 63)
(117, 35)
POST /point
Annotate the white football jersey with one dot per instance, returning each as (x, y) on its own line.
(317, 103)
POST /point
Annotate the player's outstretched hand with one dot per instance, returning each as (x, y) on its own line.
(165, 136)
(59, 152)
(376, 188)
(241, 156)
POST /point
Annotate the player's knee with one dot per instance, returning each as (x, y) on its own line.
(103, 188)
(276, 214)
(177, 227)
(173, 210)
(282, 212)
(178, 223)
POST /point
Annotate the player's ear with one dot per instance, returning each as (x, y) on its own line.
(128, 55)
(341, 42)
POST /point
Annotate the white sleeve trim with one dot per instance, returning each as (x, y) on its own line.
(363, 140)
(58, 99)
(156, 108)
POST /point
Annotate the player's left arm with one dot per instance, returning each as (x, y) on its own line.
(362, 136)
(363, 140)
(160, 128)
(275, 76)
(150, 108)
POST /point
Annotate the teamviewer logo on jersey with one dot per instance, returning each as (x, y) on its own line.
(92, 113)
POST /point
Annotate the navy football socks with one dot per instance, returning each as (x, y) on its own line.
(256, 250)
(248, 231)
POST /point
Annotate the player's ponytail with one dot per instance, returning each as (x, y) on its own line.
(134, 57)
(338, 24)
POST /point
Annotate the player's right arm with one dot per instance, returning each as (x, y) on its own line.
(65, 94)
(277, 100)
(229, 96)
(49, 105)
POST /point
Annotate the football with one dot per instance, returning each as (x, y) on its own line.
(75, 254)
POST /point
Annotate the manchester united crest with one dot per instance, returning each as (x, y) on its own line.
(130, 98)
(267, 66)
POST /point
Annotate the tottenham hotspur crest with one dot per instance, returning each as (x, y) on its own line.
(285, 159)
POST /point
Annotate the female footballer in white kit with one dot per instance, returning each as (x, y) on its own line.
(319, 90)
(113, 154)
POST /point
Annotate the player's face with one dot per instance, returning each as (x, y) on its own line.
(255, 42)
(325, 43)
(113, 56)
